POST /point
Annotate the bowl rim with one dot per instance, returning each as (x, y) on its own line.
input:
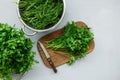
(38, 30)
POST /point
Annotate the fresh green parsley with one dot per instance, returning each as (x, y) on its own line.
(75, 40)
(15, 52)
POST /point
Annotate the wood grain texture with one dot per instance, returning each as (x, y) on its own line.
(58, 59)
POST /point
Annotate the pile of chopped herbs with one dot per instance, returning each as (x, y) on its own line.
(15, 52)
(75, 40)
(41, 14)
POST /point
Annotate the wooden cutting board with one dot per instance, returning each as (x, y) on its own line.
(58, 59)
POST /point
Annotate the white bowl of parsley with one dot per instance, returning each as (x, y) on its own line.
(41, 15)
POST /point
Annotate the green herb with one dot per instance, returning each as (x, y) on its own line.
(75, 40)
(41, 14)
(15, 52)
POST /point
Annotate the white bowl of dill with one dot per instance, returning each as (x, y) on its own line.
(40, 15)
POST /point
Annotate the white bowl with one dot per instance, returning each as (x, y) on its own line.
(38, 30)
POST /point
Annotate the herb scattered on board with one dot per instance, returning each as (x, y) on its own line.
(41, 14)
(15, 52)
(74, 40)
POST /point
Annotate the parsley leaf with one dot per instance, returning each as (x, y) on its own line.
(75, 40)
(15, 52)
